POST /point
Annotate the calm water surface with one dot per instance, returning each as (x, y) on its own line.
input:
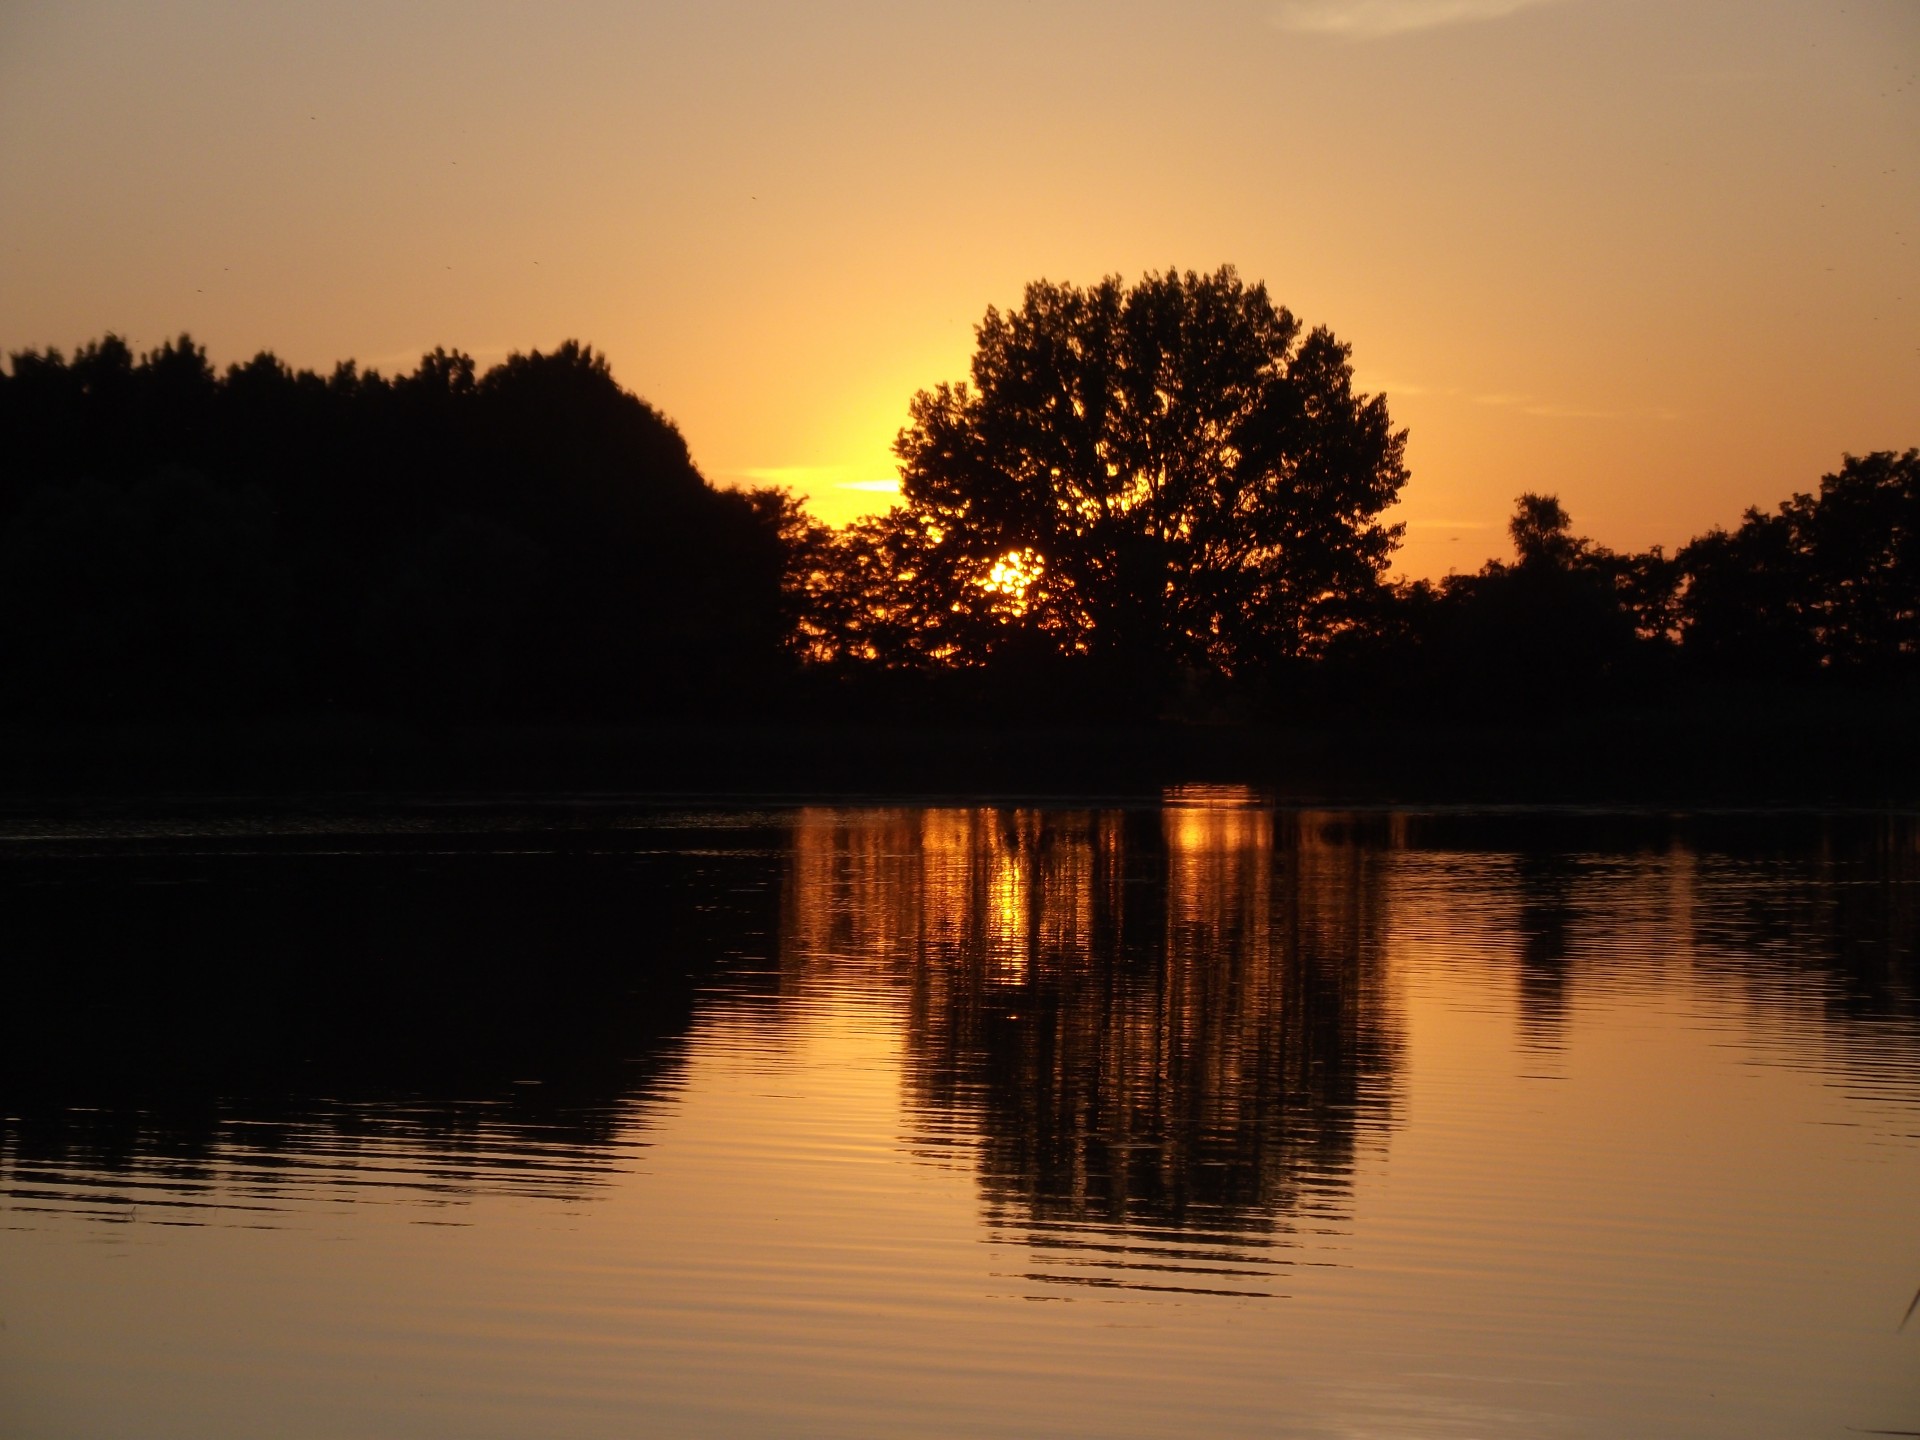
(1197, 1119)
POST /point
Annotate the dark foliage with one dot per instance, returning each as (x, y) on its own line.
(1152, 502)
(1829, 585)
(447, 545)
(1820, 600)
(1164, 480)
(1568, 622)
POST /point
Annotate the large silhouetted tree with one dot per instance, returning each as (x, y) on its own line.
(1164, 477)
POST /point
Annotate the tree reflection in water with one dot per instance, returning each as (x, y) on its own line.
(1165, 1035)
(225, 1027)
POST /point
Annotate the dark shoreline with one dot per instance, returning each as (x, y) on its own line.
(1852, 756)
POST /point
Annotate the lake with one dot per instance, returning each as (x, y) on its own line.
(1197, 1117)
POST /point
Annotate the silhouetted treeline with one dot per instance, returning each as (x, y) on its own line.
(446, 545)
(1168, 498)
(1155, 503)
(1820, 596)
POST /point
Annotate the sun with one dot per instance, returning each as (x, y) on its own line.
(1011, 577)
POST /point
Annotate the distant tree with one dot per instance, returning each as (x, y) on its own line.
(1863, 539)
(1164, 477)
(1827, 585)
(1542, 532)
(1743, 613)
(1568, 621)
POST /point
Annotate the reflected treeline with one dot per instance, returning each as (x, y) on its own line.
(1545, 883)
(1815, 917)
(445, 1011)
(1843, 903)
(1174, 1020)
(1162, 1037)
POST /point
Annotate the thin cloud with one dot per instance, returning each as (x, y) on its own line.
(405, 362)
(1549, 411)
(1377, 19)
(1555, 410)
(1379, 385)
(798, 477)
(792, 474)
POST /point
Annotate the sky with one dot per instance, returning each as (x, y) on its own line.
(1661, 260)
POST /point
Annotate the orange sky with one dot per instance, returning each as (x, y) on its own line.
(1663, 260)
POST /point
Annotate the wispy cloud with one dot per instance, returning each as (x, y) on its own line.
(1522, 404)
(805, 477)
(1555, 410)
(1380, 385)
(1376, 19)
(1547, 410)
(403, 362)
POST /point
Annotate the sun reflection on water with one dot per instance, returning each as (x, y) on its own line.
(1162, 1036)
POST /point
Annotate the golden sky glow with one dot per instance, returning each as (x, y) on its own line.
(1663, 260)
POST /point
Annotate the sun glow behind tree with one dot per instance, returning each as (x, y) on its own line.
(1012, 576)
(1171, 476)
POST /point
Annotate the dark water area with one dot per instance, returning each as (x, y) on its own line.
(1194, 1116)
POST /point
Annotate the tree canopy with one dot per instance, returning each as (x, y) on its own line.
(1168, 476)
(1828, 583)
(528, 541)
